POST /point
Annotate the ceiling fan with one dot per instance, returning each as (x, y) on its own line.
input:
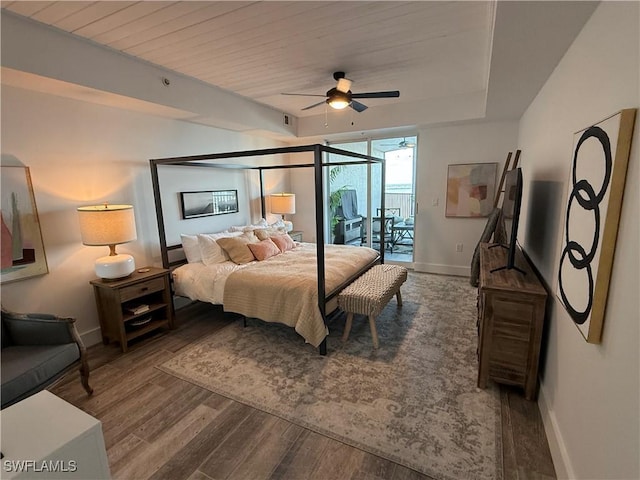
(404, 143)
(341, 96)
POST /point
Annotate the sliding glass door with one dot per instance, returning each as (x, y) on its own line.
(362, 183)
(399, 193)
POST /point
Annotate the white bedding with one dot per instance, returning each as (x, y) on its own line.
(198, 281)
(280, 289)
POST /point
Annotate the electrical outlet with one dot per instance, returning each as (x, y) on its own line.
(458, 247)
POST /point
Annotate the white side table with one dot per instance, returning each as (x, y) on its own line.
(45, 437)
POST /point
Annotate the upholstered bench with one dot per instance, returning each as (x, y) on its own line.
(370, 293)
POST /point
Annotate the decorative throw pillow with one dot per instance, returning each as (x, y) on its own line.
(284, 242)
(238, 248)
(263, 249)
(191, 248)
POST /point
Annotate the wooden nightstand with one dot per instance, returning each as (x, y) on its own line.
(296, 235)
(116, 301)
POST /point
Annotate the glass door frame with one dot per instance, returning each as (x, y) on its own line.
(368, 141)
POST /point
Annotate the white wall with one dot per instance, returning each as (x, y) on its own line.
(589, 393)
(436, 236)
(80, 154)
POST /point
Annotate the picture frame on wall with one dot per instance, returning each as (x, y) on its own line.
(208, 202)
(23, 254)
(600, 156)
(471, 189)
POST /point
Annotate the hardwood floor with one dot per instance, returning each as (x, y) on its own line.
(158, 426)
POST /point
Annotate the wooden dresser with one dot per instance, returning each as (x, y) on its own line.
(511, 312)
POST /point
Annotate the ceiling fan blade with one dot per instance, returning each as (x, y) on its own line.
(315, 105)
(304, 94)
(357, 106)
(390, 94)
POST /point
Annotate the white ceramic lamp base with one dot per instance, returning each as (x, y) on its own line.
(115, 266)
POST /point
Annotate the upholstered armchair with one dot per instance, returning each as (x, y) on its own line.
(37, 349)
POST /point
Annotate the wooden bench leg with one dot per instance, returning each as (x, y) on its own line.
(374, 332)
(399, 298)
(347, 327)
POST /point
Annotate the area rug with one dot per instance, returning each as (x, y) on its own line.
(413, 401)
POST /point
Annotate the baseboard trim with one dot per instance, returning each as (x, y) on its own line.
(91, 337)
(442, 269)
(559, 453)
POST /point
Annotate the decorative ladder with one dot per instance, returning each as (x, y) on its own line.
(500, 190)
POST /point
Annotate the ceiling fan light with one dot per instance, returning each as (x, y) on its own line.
(338, 103)
(339, 100)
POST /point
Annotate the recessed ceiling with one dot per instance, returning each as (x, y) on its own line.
(451, 61)
(262, 49)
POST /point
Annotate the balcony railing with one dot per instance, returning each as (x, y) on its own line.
(403, 201)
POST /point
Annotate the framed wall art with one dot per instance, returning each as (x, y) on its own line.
(205, 203)
(23, 253)
(471, 189)
(598, 170)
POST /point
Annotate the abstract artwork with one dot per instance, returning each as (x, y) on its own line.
(597, 178)
(471, 189)
(202, 204)
(22, 246)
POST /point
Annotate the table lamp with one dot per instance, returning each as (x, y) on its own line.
(109, 225)
(283, 204)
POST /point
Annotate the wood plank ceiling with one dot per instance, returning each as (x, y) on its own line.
(260, 49)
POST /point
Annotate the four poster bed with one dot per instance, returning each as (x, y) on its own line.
(298, 286)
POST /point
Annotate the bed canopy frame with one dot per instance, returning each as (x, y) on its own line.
(319, 164)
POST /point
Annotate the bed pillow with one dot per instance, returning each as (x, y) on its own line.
(278, 224)
(264, 233)
(191, 248)
(284, 242)
(264, 249)
(210, 251)
(248, 228)
(238, 248)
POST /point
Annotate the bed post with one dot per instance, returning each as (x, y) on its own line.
(382, 213)
(318, 165)
(322, 303)
(262, 208)
(159, 216)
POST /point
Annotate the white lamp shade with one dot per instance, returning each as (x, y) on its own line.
(283, 203)
(109, 225)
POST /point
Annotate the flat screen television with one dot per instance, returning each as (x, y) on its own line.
(511, 202)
